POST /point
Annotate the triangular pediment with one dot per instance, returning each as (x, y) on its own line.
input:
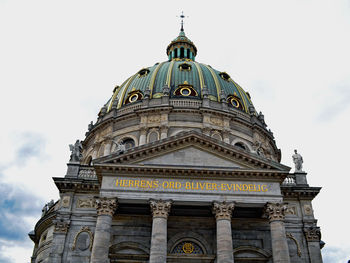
(191, 149)
(193, 156)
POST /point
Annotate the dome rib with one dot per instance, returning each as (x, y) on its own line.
(243, 98)
(122, 97)
(169, 74)
(115, 95)
(200, 74)
(153, 78)
(217, 84)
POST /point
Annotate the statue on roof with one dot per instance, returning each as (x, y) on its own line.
(76, 150)
(298, 161)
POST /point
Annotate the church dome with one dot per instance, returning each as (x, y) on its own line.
(182, 77)
(174, 96)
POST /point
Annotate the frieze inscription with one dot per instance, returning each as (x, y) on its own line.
(188, 185)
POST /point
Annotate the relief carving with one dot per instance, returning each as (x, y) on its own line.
(65, 201)
(291, 210)
(308, 210)
(85, 203)
(216, 121)
(154, 119)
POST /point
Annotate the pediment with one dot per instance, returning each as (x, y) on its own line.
(191, 149)
(191, 155)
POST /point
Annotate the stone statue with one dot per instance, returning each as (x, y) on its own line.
(298, 161)
(76, 150)
(90, 126)
(47, 207)
(120, 147)
(44, 210)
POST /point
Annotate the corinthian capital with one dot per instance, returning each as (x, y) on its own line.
(61, 225)
(106, 206)
(223, 210)
(160, 208)
(312, 234)
(275, 211)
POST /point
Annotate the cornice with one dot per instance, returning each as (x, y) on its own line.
(300, 192)
(76, 185)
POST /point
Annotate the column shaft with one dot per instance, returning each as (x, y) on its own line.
(280, 248)
(101, 239)
(105, 210)
(224, 246)
(160, 211)
(224, 241)
(159, 240)
(276, 214)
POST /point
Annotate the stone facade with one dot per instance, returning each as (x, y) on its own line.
(194, 181)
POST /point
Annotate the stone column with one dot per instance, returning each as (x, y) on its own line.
(224, 246)
(143, 133)
(160, 211)
(105, 209)
(276, 214)
(313, 236)
(163, 132)
(59, 238)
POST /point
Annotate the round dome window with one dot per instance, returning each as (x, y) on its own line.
(185, 91)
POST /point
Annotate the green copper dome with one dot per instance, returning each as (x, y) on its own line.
(183, 78)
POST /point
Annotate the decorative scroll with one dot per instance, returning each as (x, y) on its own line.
(289, 235)
(83, 239)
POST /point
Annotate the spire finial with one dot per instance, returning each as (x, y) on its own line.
(182, 16)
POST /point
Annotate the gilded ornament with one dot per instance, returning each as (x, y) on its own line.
(188, 248)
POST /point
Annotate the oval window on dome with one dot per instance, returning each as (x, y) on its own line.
(143, 72)
(185, 66)
(234, 102)
(133, 97)
(224, 76)
(185, 90)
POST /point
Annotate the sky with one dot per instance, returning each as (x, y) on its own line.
(60, 60)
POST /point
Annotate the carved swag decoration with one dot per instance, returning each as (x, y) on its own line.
(106, 206)
(223, 210)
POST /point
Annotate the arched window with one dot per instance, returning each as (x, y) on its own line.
(128, 142)
(188, 53)
(187, 247)
(175, 55)
(153, 136)
(182, 52)
(240, 145)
